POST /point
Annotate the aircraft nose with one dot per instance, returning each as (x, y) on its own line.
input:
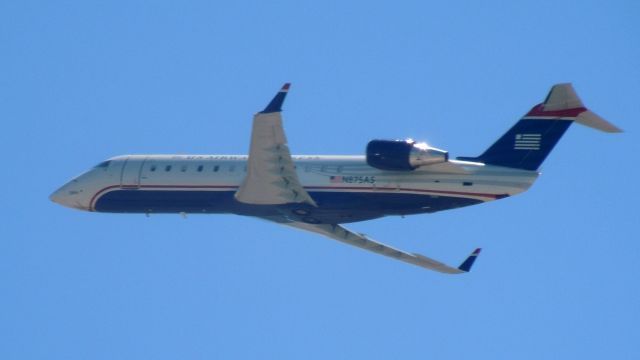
(69, 195)
(56, 197)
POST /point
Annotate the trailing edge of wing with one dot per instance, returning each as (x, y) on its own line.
(346, 236)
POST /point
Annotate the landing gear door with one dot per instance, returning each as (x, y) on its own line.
(130, 178)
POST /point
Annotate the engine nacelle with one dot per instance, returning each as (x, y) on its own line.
(402, 155)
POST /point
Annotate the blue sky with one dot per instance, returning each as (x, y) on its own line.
(83, 81)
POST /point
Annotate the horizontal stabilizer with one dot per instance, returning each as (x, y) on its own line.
(562, 97)
(592, 120)
(563, 101)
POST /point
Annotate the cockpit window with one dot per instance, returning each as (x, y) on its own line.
(103, 164)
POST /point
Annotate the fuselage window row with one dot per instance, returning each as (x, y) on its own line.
(199, 168)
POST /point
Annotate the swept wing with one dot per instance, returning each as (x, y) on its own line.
(272, 180)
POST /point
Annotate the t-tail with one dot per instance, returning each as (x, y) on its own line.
(530, 140)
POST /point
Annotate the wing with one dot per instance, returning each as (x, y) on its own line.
(272, 180)
(346, 236)
(271, 175)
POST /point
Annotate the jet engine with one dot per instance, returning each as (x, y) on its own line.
(402, 155)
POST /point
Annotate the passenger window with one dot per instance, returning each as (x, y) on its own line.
(216, 168)
(152, 168)
(167, 168)
(200, 168)
(183, 168)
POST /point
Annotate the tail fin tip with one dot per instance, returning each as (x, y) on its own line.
(562, 97)
(527, 144)
(563, 100)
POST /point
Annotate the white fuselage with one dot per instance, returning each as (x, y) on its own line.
(178, 183)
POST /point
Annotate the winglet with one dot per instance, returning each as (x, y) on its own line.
(466, 265)
(276, 103)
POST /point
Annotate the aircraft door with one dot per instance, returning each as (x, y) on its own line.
(130, 177)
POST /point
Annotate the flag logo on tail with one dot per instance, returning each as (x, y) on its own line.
(527, 142)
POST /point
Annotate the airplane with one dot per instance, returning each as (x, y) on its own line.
(319, 193)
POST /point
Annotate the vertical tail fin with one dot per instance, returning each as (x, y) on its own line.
(528, 143)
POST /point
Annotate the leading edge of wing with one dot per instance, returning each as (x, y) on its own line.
(344, 235)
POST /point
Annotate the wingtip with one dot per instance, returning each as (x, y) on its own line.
(276, 103)
(468, 263)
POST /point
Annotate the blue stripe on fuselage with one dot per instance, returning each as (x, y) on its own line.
(333, 207)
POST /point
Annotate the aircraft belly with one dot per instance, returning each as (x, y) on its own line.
(333, 207)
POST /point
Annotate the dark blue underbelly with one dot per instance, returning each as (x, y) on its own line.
(333, 207)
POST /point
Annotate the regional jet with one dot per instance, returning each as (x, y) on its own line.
(319, 193)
